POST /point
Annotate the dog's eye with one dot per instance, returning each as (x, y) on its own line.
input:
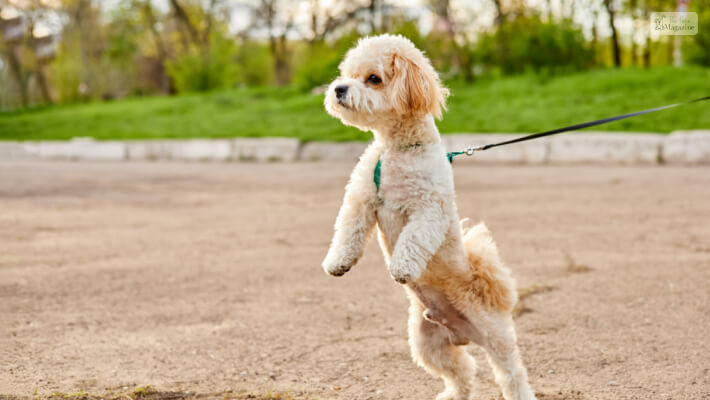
(374, 79)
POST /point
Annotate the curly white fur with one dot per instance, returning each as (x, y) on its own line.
(416, 216)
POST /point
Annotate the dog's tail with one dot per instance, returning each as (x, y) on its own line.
(492, 281)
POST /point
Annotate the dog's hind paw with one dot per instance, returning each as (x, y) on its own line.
(452, 394)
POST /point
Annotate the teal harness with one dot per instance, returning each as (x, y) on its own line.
(378, 167)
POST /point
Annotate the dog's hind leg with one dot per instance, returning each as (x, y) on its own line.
(504, 358)
(432, 349)
(439, 310)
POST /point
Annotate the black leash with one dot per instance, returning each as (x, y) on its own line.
(470, 150)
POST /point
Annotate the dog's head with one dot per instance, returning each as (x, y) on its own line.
(384, 79)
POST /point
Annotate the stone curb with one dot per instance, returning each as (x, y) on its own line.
(686, 147)
(332, 151)
(605, 148)
(266, 149)
(680, 147)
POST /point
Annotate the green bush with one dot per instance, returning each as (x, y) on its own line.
(200, 70)
(530, 44)
(256, 64)
(317, 63)
(65, 71)
(700, 51)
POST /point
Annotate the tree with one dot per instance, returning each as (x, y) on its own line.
(10, 52)
(276, 19)
(151, 22)
(324, 21)
(185, 23)
(455, 35)
(27, 54)
(614, 35)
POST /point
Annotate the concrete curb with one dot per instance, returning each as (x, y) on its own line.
(13, 150)
(680, 147)
(266, 149)
(331, 151)
(686, 147)
(606, 148)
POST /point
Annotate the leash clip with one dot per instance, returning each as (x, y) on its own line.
(471, 149)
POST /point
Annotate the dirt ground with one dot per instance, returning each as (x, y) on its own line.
(207, 278)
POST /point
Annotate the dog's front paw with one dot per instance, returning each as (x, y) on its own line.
(403, 272)
(338, 266)
(336, 269)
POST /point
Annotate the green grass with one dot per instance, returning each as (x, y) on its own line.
(514, 104)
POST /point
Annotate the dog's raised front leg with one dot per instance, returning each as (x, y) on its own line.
(418, 242)
(356, 219)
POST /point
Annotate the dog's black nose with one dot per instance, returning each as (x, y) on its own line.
(340, 91)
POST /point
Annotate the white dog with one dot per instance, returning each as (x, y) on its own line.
(460, 291)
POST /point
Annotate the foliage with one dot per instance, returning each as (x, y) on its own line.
(254, 61)
(317, 63)
(124, 48)
(65, 72)
(205, 68)
(530, 44)
(700, 52)
(522, 103)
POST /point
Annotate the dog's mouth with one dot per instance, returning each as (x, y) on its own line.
(345, 106)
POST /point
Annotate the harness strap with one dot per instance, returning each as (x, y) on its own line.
(378, 168)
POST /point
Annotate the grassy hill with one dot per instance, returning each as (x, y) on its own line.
(514, 104)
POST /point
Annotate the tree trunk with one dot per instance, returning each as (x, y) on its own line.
(43, 84)
(647, 53)
(500, 16)
(595, 38)
(82, 16)
(315, 6)
(633, 8)
(277, 44)
(282, 72)
(373, 15)
(16, 71)
(614, 34)
(185, 21)
(206, 46)
(647, 40)
(165, 82)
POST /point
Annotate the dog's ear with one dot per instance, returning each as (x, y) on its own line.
(416, 87)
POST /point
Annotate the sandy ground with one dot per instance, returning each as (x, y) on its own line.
(206, 277)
